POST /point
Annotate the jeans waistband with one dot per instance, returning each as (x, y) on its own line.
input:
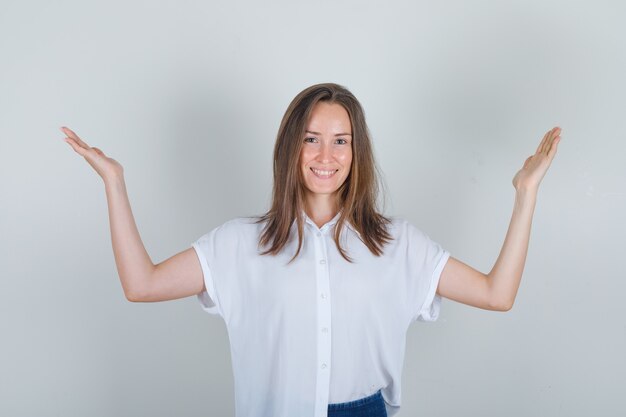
(377, 396)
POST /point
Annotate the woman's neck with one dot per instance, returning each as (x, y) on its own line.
(321, 208)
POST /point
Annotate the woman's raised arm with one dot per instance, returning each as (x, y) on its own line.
(142, 280)
(497, 289)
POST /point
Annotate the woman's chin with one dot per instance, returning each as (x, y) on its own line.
(321, 190)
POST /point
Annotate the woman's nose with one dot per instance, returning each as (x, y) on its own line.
(326, 152)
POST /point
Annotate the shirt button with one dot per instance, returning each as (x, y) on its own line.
(323, 366)
(323, 295)
(325, 330)
(322, 261)
(319, 233)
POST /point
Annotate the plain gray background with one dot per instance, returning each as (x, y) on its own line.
(188, 96)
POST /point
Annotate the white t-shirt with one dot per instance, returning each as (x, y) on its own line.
(320, 330)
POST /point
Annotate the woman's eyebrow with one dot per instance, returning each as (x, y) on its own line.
(337, 134)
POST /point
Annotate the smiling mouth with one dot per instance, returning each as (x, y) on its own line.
(323, 174)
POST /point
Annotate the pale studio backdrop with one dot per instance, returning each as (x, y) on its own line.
(188, 96)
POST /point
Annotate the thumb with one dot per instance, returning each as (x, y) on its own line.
(527, 161)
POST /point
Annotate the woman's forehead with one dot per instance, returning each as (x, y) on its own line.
(330, 118)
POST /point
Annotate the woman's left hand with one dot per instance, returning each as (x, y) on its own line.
(536, 166)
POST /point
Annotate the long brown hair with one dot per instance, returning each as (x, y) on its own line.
(357, 195)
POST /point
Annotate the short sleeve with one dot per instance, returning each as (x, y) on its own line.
(429, 259)
(205, 248)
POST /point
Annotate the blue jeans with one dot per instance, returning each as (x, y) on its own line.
(372, 406)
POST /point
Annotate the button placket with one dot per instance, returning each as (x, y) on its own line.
(323, 324)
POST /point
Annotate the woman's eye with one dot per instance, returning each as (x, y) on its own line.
(307, 139)
(344, 141)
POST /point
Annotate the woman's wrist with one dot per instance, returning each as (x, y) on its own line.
(114, 180)
(525, 193)
(525, 199)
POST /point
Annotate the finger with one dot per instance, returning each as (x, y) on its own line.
(553, 147)
(555, 133)
(98, 151)
(79, 149)
(545, 140)
(548, 143)
(542, 141)
(74, 136)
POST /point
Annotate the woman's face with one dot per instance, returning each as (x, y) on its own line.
(326, 154)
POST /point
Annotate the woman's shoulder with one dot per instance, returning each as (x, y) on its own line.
(401, 227)
(241, 225)
(397, 223)
(233, 231)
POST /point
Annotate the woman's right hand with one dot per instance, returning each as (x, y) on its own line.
(107, 168)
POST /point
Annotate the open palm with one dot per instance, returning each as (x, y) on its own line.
(536, 166)
(105, 167)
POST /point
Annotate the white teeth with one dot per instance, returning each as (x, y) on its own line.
(323, 173)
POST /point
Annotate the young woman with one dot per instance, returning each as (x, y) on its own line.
(318, 293)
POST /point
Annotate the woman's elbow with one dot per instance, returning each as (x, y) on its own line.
(134, 294)
(501, 305)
